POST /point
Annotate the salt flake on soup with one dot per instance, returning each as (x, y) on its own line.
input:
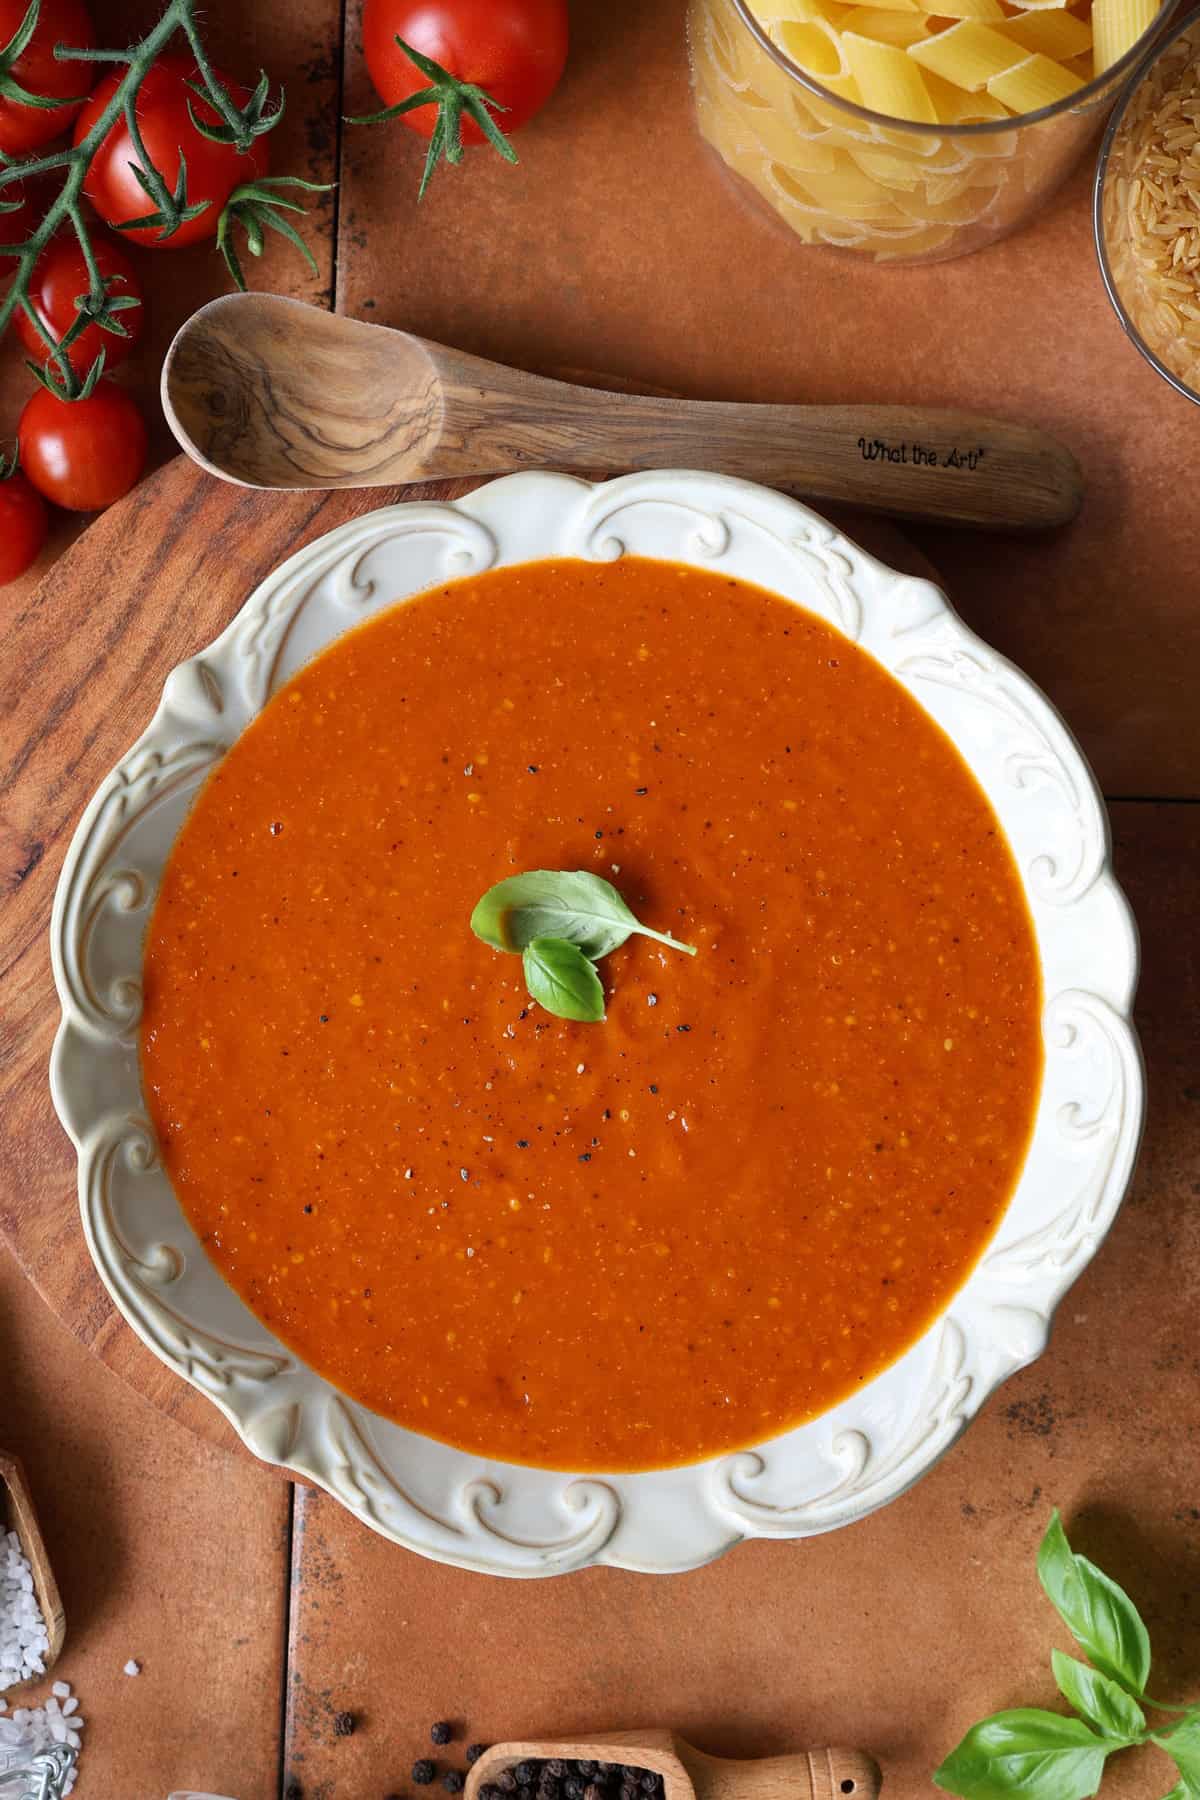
(623, 1244)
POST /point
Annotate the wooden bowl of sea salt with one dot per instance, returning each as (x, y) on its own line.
(32, 1621)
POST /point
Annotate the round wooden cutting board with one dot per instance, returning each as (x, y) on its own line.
(81, 671)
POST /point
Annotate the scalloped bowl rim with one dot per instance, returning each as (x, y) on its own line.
(508, 1519)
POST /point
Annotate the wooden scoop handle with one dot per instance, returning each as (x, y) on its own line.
(826, 1774)
(917, 462)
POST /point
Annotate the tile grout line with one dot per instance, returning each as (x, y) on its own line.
(289, 1551)
(1152, 799)
(338, 138)
(289, 1565)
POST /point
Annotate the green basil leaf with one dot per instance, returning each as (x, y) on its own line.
(1184, 1745)
(1037, 1755)
(1099, 1615)
(1109, 1708)
(560, 978)
(571, 904)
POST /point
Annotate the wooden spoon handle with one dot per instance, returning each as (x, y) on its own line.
(950, 467)
(825, 1774)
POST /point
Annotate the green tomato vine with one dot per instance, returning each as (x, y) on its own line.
(257, 206)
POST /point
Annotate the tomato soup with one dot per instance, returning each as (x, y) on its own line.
(619, 1245)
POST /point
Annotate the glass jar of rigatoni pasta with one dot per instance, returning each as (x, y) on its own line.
(902, 133)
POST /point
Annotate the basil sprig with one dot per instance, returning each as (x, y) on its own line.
(563, 903)
(562, 921)
(1041, 1755)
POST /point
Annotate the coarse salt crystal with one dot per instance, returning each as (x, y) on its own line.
(132, 1668)
(24, 1639)
(29, 1731)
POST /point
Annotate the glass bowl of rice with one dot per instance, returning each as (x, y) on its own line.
(1147, 208)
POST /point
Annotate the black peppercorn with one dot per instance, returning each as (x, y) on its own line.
(573, 1787)
(586, 1769)
(343, 1724)
(506, 1781)
(474, 1752)
(649, 1781)
(441, 1733)
(525, 1772)
(555, 1766)
(453, 1782)
(423, 1772)
(491, 1791)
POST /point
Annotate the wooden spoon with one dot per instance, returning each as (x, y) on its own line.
(17, 1514)
(271, 393)
(689, 1774)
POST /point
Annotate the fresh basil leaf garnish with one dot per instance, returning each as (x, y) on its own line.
(560, 978)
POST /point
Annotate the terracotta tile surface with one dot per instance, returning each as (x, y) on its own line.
(167, 1552)
(895, 1634)
(619, 244)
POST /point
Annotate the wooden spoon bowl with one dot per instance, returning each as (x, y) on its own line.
(688, 1774)
(17, 1514)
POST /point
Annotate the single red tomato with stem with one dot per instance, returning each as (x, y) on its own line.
(213, 170)
(60, 276)
(36, 70)
(24, 522)
(507, 52)
(82, 454)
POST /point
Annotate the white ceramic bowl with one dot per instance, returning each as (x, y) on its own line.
(494, 1516)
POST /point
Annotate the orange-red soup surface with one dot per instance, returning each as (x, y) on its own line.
(620, 1245)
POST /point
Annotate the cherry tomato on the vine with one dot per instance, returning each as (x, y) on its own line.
(38, 71)
(213, 170)
(59, 277)
(82, 454)
(24, 522)
(515, 50)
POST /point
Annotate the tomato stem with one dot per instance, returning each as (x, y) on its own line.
(452, 98)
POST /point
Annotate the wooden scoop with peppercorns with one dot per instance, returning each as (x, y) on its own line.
(657, 1765)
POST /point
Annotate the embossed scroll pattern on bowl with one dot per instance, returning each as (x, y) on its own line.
(494, 1516)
